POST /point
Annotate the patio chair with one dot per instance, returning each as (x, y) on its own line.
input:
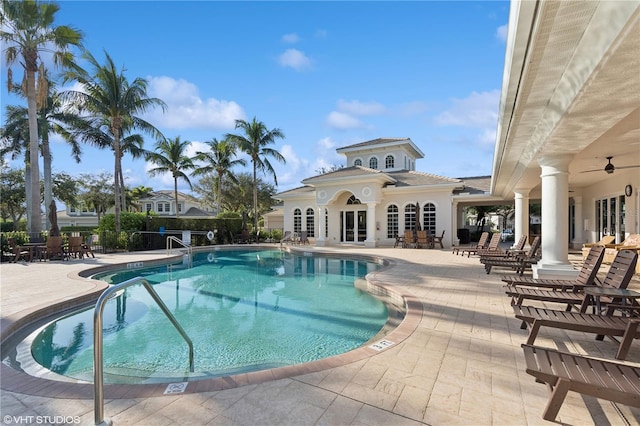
(494, 245)
(607, 239)
(422, 239)
(86, 246)
(55, 248)
(517, 249)
(520, 263)
(618, 276)
(563, 372)
(484, 237)
(409, 239)
(304, 239)
(601, 325)
(75, 247)
(287, 237)
(438, 240)
(586, 276)
(19, 252)
(399, 241)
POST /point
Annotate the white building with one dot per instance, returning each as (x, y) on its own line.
(374, 198)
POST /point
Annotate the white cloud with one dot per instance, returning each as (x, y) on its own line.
(477, 110)
(290, 38)
(295, 59)
(360, 108)
(501, 32)
(343, 121)
(186, 109)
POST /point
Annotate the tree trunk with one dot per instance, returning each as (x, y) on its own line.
(116, 174)
(48, 185)
(33, 213)
(175, 190)
(255, 198)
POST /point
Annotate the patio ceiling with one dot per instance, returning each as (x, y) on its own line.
(571, 86)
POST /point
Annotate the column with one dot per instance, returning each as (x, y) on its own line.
(320, 239)
(371, 226)
(521, 201)
(555, 224)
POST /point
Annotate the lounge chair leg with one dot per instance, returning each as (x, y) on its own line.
(533, 333)
(557, 398)
(523, 326)
(629, 334)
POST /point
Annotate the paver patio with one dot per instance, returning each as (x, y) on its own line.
(460, 363)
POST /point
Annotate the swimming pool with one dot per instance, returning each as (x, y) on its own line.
(245, 310)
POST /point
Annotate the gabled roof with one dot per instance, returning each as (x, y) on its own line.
(346, 173)
(382, 143)
(169, 194)
(196, 212)
(414, 178)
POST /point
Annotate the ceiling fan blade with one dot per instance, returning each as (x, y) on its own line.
(627, 167)
(594, 170)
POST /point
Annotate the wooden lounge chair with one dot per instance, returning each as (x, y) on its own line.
(601, 325)
(86, 246)
(494, 244)
(607, 239)
(519, 263)
(55, 248)
(287, 238)
(587, 275)
(563, 372)
(618, 276)
(482, 242)
(510, 253)
(304, 239)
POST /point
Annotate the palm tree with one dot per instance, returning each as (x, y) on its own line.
(111, 100)
(27, 30)
(169, 157)
(220, 161)
(255, 143)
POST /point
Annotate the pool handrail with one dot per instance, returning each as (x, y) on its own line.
(98, 376)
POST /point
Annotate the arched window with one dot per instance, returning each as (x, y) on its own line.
(373, 163)
(297, 220)
(326, 223)
(392, 221)
(410, 217)
(310, 223)
(357, 162)
(389, 162)
(353, 200)
(429, 218)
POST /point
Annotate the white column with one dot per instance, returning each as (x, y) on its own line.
(521, 215)
(371, 226)
(555, 214)
(321, 240)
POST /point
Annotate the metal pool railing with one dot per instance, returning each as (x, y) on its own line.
(98, 367)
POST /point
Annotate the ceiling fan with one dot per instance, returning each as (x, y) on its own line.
(610, 168)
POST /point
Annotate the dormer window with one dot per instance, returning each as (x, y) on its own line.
(373, 163)
(357, 162)
(389, 162)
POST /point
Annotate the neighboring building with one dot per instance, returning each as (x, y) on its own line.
(160, 202)
(372, 200)
(163, 203)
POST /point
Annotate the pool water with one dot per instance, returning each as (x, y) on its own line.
(244, 310)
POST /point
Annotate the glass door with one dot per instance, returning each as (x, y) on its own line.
(610, 217)
(353, 226)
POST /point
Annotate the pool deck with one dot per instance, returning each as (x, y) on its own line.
(455, 360)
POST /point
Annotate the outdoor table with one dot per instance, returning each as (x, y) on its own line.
(36, 250)
(593, 294)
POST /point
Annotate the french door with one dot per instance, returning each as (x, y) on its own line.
(610, 217)
(353, 226)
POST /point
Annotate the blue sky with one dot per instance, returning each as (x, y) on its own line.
(328, 74)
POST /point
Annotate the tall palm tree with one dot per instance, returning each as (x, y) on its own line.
(111, 100)
(220, 160)
(255, 142)
(169, 157)
(27, 30)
